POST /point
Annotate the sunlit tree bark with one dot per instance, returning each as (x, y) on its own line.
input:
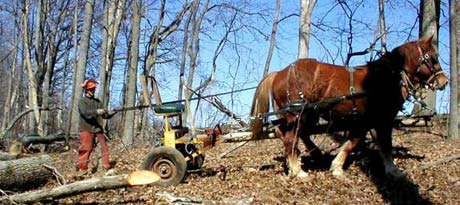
(130, 93)
(81, 65)
(306, 9)
(429, 26)
(454, 52)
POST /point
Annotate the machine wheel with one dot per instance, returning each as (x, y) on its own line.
(196, 163)
(168, 163)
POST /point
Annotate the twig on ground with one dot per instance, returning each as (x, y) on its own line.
(59, 178)
(440, 161)
(5, 194)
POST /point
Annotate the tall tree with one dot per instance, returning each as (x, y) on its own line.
(429, 26)
(272, 36)
(382, 26)
(306, 9)
(12, 77)
(80, 70)
(113, 16)
(454, 51)
(130, 92)
(31, 70)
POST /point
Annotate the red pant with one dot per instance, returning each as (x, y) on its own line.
(86, 147)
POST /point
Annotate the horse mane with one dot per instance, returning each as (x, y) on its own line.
(382, 84)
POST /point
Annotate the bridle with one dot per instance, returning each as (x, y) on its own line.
(423, 60)
(429, 62)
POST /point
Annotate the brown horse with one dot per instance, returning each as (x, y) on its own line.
(361, 98)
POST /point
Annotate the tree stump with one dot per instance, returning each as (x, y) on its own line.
(25, 173)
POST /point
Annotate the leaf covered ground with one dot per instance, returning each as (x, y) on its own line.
(254, 174)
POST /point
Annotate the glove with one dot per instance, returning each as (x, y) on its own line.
(101, 111)
(111, 113)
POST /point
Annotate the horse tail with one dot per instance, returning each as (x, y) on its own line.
(260, 104)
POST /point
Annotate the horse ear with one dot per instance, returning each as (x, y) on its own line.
(427, 40)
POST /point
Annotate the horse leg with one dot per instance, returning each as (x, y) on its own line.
(291, 141)
(353, 139)
(385, 151)
(310, 120)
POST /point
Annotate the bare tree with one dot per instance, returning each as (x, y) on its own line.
(273, 37)
(454, 52)
(113, 16)
(80, 70)
(306, 9)
(12, 88)
(382, 26)
(31, 71)
(130, 92)
(429, 26)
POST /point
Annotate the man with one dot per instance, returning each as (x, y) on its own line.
(91, 114)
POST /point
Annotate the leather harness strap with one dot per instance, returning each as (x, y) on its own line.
(297, 84)
(352, 70)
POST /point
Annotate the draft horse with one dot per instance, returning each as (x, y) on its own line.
(366, 97)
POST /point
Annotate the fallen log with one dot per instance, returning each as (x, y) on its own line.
(243, 136)
(25, 173)
(37, 139)
(139, 177)
(7, 156)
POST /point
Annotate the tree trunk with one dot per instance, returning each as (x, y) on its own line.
(112, 20)
(306, 9)
(33, 86)
(140, 177)
(454, 51)
(429, 26)
(272, 37)
(11, 88)
(382, 26)
(7, 156)
(130, 93)
(25, 173)
(81, 66)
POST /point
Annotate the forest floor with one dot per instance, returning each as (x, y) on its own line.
(254, 174)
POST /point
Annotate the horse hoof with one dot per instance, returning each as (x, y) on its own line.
(298, 174)
(302, 174)
(337, 173)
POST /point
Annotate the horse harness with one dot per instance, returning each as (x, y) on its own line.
(429, 62)
(297, 105)
(296, 81)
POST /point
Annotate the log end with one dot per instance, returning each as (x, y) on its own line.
(142, 177)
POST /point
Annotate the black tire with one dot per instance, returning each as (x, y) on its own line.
(168, 163)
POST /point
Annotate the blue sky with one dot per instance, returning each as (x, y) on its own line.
(242, 66)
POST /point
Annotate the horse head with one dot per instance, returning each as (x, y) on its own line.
(422, 65)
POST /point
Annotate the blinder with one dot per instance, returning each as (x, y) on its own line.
(429, 62)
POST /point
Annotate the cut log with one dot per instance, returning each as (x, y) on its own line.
(25, 173)
(140, 177)
(7, 156)
(243, 136)
(37, 139)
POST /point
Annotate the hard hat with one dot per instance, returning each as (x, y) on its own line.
(89, 84)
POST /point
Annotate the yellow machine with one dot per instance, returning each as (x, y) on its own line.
(179, 150)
